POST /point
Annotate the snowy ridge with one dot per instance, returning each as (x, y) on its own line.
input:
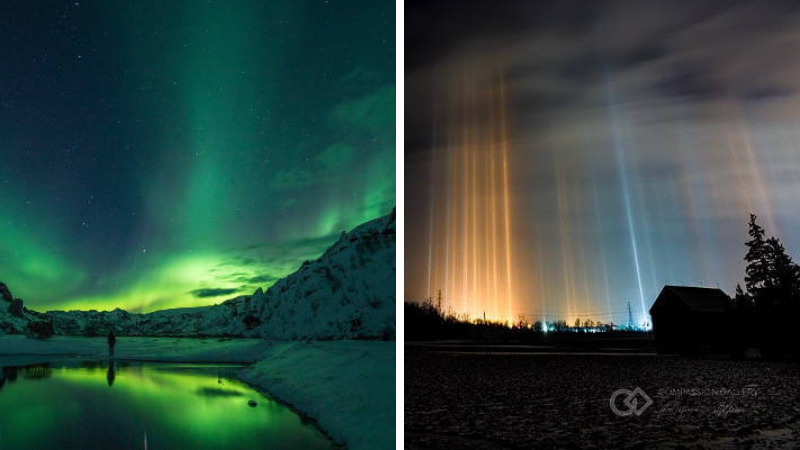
(347, 293)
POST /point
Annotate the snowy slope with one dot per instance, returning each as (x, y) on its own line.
(347, 293)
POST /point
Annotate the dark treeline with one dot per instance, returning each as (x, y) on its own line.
(427, 321)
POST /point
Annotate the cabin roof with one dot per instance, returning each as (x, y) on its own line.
(695, 298)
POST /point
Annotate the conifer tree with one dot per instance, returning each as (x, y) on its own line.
(785, 273)
(772, 278)
(758, 265)
(742, 300)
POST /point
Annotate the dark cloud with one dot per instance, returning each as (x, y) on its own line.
(266, 278)
(557, 56)
(644, 54)
(766, 93)
(213, 292)
(688, 82)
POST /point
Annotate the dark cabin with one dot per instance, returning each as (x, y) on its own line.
(691, 320)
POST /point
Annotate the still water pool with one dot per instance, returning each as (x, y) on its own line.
(91, 405)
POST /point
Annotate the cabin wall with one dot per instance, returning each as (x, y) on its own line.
(680, 330)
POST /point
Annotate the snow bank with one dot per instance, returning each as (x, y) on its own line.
(347, 385)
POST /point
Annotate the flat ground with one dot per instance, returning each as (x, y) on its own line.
(347, 387)
(525, 398)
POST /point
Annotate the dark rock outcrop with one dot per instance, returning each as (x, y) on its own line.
(16, 308)
(5, 293)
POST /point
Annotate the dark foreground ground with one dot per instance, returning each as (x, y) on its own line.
(461, 396)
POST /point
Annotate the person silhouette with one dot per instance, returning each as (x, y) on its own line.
(112, 341)
(111, 374)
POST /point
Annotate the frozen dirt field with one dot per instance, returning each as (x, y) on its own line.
(524, 401)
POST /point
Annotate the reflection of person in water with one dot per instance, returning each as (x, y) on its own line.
(111, 374)
(112, 341)
(7, 374)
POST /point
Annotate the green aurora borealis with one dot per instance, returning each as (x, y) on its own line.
(174, 154)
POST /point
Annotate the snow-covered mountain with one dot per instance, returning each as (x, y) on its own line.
(347, 293)
(14, 316)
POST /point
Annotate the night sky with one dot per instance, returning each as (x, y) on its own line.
(638, 136)
(158, 154)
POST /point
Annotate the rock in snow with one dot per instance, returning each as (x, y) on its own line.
(347, 293)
